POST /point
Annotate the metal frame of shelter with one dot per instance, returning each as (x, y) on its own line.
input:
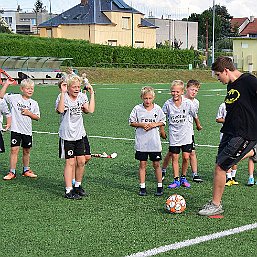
(31, 63)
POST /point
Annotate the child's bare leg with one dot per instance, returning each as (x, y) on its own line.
(80, 165)
(158, 171)
(14, 157)
(141, 175)
(87, 158)
(166, 161)
(175, 164)
(250, 171)
(69, 165)
(142, 171)
(193, 162)
(185, 158)
(158, 174)
(26, 157)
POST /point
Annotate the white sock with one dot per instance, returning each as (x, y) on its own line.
(68, 189)
(77, 184)
(233, 173)
(159, 185)
(250, 176)
(229, 176)
(142, 185)
(163, 170)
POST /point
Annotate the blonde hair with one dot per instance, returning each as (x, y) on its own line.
(147, 90)
(193, 82)
(177, 83)
(71, 79)
(27, 82)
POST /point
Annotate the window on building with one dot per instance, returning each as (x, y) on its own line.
(8, 20)
(112, 42)
(125, 22)
(33, 21)
(139, 44)
(25, 19)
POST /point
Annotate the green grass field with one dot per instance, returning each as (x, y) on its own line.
(113, 220)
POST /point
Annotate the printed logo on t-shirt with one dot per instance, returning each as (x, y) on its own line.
(232, 96)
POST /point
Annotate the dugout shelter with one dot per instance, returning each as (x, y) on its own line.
(43, 70)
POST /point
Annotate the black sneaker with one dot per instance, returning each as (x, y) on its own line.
(197, 178)
(159, 191)
(72, 195)
(80, 191)
(142, 192)
(163, 175)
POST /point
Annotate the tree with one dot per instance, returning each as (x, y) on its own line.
(222, 24)
(38, 8)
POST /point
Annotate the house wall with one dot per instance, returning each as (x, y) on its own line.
(245, 54)
(113, 34)
(168, 30)
(10, 18)
(25, 22)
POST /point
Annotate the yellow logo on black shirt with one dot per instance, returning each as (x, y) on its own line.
(232, 96)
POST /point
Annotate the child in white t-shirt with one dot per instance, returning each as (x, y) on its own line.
(146, 118)
(23, 110)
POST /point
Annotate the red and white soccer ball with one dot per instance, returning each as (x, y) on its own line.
(175, 204)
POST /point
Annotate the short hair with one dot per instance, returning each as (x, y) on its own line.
(222, 63)
(193, 82)
(27, 82)
(72, 78)
(177, 83)
(147, 90)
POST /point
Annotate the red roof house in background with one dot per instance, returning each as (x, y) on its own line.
(246, 27)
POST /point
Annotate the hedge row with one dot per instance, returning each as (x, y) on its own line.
(85, 54)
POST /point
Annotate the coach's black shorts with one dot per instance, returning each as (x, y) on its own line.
(232, 150)
(153, 156)
(70, 149)
(2, 148)
(18, 139)
(185, 148)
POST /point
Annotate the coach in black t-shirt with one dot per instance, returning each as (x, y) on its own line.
(239, 129)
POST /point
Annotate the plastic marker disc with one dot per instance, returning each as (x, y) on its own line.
(216, 216)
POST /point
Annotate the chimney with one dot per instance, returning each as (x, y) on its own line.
(251, 18)
(84, 2)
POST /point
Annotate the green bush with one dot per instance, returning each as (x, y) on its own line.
(85, 54)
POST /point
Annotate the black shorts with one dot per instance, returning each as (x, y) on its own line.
(2, 148)
(18, 139)
(87, 146)
(70, 149)
(232, 150)
(193, 142)
(185, 148)
(153, 156)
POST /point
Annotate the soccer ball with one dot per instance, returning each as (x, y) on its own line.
(175, 204)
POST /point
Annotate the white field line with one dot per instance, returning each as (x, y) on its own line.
(194, 241)
(115, 138)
